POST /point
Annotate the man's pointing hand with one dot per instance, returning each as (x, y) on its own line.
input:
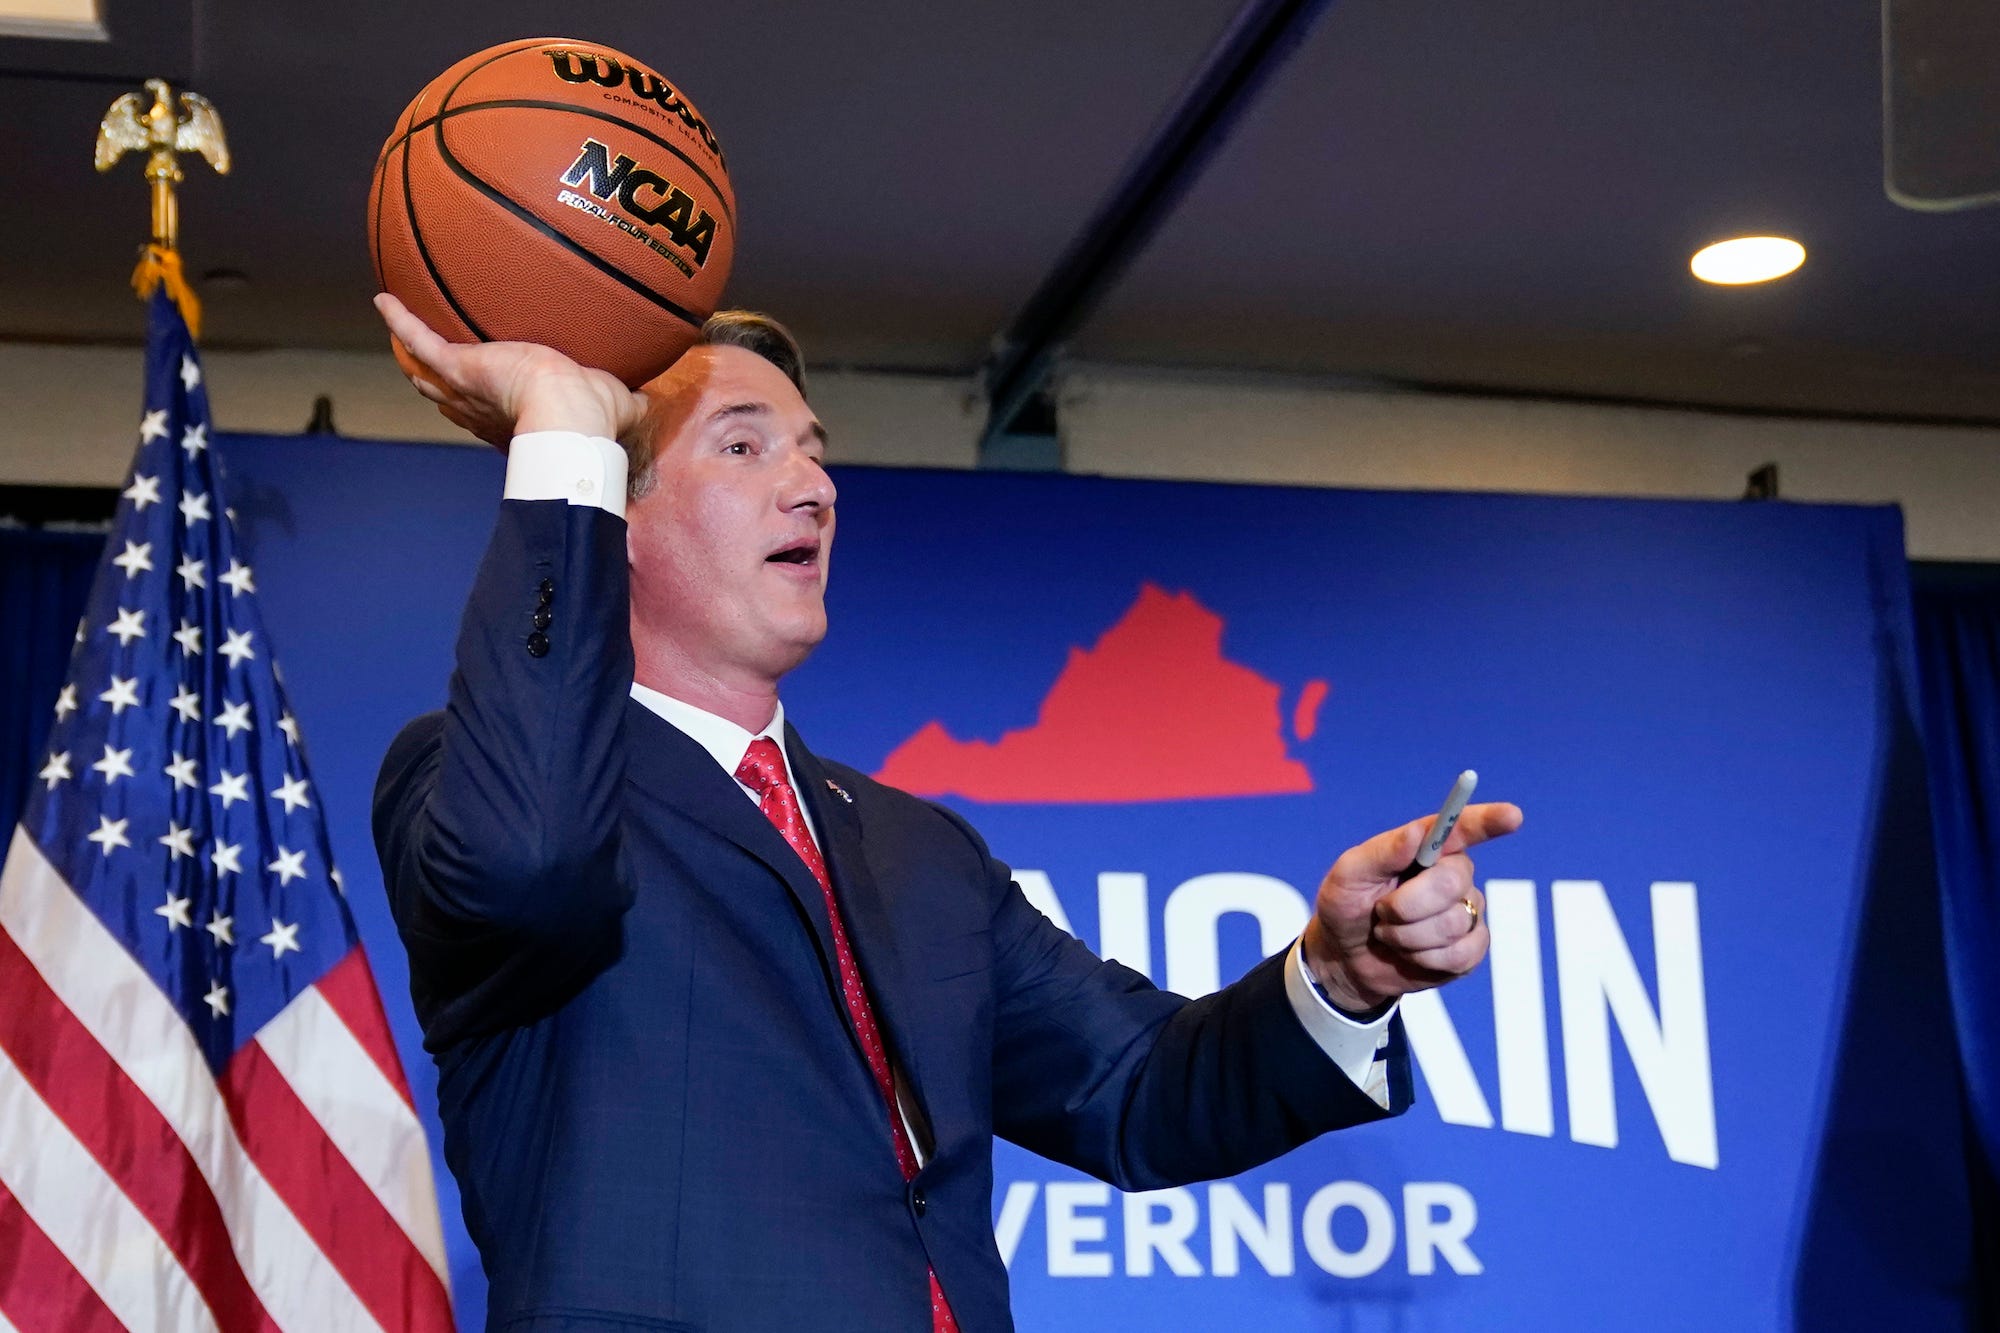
(1373, 938)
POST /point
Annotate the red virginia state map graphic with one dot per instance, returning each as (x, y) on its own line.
(1153, 712)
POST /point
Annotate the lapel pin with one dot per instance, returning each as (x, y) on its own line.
(839, 791)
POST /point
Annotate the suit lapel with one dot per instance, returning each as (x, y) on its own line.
(870, 929)
(669, 763)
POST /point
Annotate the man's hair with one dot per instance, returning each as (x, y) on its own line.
(753, 332)
(756, 332)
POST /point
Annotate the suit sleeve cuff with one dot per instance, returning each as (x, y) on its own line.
(564, 465)
(1357, 1048)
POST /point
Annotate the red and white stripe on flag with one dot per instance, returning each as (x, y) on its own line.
(140, 1191)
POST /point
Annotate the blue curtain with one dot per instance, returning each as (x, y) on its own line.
(1957, 612)
(44, 581)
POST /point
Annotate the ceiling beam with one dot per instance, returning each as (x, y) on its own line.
(1259, 38)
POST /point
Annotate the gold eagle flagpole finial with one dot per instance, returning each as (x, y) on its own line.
(163, 133)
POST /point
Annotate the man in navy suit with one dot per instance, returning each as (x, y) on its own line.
(724, 1029)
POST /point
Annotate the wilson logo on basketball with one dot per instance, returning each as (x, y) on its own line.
(601, 69)
(669, 208)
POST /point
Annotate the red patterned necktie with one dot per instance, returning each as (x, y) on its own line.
(763, 772)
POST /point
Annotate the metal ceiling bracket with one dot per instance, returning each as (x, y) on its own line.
(1258, 40)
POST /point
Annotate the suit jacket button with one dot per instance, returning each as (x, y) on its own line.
(538, 644)
(547, 588)
(542, 617)
(918, 1201)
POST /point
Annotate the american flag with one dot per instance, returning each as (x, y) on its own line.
(203, 1121)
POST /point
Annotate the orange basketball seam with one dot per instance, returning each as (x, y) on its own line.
(582, 252)
(424, 252)
(492, 54)
(410, 210)
(512, 206)
(532, 104)
(375, 226)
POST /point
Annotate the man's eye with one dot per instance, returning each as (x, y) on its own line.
(740, 448)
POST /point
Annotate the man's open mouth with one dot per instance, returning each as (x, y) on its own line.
(801, 553)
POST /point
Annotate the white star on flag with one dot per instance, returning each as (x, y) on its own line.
(235, 718)
(130, 625)
(289, 725)
(182, 771)
(338, 882)
(237, 648)
(154, 427)
(193, 507)
(195, 439)
(116, 764)
(281, 938)
(175, 911)
(234, 787)
(191, 574)
(110, 833)
(219, 926)
(190, 373)
(56, 770)
(238, 578)
(188, 636)
(178, 841)
(228, 857)
(288, 867)
(188, 704)
(123, 694)
(142, 492)
(66, 702)
(217, 999)
(138, 557)
(292, 791)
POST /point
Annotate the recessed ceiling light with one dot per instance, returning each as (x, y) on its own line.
(1747, 259)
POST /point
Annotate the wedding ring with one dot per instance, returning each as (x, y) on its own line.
(1471, 910)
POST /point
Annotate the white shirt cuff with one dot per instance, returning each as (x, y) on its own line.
(1355, 1047)
(566, 465)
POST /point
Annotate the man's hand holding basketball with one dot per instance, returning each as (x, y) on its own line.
(1374, 938)
(500, 390)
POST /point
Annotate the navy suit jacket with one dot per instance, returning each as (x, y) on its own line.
(653, 1099)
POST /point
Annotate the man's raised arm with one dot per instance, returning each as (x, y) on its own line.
(498, 820)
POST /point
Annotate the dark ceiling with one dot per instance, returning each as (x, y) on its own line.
(1492, 194)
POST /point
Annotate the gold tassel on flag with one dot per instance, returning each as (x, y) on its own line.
(157, 265)
(163, 133)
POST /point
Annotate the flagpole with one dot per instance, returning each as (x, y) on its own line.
(163, 132)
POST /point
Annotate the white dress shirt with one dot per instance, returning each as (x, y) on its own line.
(728, 743)
(586, 470)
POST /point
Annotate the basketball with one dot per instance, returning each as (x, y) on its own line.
(557, 192)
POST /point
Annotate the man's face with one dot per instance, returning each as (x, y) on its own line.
(729, 548)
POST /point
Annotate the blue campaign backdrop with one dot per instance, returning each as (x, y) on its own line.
(1708, 1081)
